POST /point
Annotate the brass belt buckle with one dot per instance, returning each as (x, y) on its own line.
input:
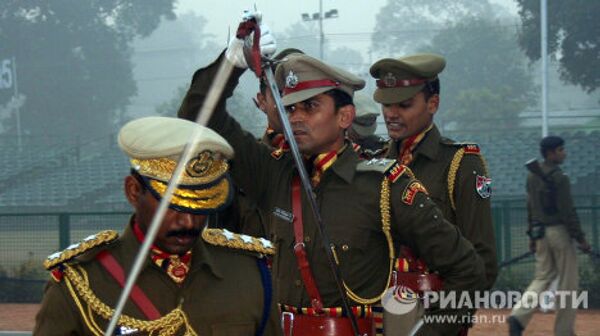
(291, 317)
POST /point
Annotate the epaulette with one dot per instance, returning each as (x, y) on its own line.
(74, 250)
(226, 238)
(392, 169)
(464, 148)
(100, 238)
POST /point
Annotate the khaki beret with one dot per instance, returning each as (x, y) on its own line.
(367, 111)
(402, 78)
(302, 77)
(154, 146)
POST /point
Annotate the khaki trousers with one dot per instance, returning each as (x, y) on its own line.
(555, 257)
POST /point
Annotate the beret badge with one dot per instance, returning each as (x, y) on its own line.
(200, 165)
(389, 80)
(291, 80)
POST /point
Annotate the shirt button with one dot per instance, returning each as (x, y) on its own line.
(345, 247)
(298, 283)
(307, 239)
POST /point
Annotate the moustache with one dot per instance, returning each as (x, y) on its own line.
(300, 127)
(184, 233)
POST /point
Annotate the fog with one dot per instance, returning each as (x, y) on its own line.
(72, 74)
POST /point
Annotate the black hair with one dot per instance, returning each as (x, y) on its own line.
(139, 178)
(550, 143)
(431, 88)
(340, 98)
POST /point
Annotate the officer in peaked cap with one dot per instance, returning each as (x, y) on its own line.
(273, 136)
(353, 196)
(362, 131)
(455, 174)
(301, 77)
(401, 79)
(196, 280)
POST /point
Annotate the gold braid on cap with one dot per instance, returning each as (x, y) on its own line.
(203, 169)
(386, 228)
(209, 198)
(77, 282)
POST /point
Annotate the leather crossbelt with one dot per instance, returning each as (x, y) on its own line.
(300, 251)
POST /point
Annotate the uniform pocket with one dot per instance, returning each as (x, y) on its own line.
(350, 242)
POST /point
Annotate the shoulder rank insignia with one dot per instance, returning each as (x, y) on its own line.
(100, 238)
(467, 147)
(411, 190)
(390, 168)
(470, 148)
(224, 237)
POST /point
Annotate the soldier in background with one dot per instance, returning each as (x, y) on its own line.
(553, 225)
(273, 136)
(454, 173)
(195, 281)
(362, 131)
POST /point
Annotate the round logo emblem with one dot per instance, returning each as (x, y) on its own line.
(199, 165)
(291, 80)
(399, 300)
(389, 80)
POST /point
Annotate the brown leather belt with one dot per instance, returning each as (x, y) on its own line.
(306, 325)
(301, 256)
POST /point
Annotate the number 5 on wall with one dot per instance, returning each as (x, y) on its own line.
(6, 75)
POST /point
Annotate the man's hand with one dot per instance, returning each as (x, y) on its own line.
(532, 245)
(235, 50)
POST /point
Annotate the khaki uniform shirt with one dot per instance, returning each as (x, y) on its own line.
(565, 210)
(349, 201)
(431, 163)
(221, 295)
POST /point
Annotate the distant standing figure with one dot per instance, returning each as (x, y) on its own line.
(553, 224)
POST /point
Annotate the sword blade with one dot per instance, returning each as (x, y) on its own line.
(202, 118)
(287, 130)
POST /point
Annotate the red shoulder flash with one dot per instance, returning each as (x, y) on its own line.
(409, 194)
(395, 171)
(472, 149)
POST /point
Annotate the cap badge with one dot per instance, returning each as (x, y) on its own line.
(389, 80)
(200, 165)
(291, 80)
